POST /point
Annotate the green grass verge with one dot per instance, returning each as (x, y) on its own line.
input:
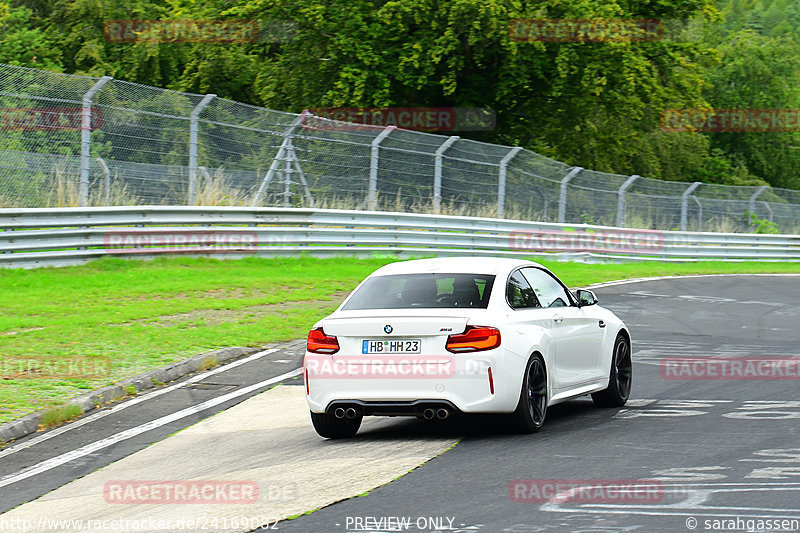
(58, 415)
(138, 315)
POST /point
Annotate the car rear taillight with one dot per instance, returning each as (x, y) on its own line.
(318, 342)
(474, 339)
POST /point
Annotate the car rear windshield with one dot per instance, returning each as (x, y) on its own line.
(410, 291)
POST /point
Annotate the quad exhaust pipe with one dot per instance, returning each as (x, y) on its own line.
(428, 413)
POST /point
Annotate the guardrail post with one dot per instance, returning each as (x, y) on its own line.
(437, 172)
(86, 138)
(562, 197)
(193, 127)
(752, 205)
(372, 193)
(685, 204)
(283, 150)
(106, 180)
(621, 200)
(501, 180)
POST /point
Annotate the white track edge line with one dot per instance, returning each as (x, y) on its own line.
(88, 449)
(659, 278)
(133, 401)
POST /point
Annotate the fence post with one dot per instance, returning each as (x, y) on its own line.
(437, 172)
(562, 197)
(752, 206)
(769, 210)
(86, 138)
(283, 150)
(685, 204)
(193, 126)
(293, 159)
(699, 213)
(621, 200)
(501, 180)
(287, 176)
(106, 179)
(372, 193)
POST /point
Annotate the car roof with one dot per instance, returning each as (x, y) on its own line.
(454, 265)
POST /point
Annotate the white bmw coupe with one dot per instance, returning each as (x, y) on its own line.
(433, 338)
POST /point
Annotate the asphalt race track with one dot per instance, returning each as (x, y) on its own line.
(713, 454)
(722, 449)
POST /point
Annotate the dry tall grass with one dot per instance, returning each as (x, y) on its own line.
(66, 191)
(216, 190)
(450, 208)
(724, 225)
(118, 194)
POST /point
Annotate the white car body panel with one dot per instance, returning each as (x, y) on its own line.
(576, 350)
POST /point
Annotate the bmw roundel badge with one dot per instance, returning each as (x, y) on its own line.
(387, 328)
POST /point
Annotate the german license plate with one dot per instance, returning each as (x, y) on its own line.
(396, 346)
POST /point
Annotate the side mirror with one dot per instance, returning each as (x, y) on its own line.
(586, 297)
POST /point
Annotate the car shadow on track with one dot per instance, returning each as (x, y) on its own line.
(564, 418)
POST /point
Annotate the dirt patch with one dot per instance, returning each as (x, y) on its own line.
(25, 330)
(213, 317)
(219, 294)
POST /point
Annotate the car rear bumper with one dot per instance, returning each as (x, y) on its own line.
(431, 408)
(372, 390)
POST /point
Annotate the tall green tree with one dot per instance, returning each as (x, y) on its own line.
(759, 72)
(587, 103)
(593, 104)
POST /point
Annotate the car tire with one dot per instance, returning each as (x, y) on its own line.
(532, 406)
(619, 378)
(330, 427)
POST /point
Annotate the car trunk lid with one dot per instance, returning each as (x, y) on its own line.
(355, 333)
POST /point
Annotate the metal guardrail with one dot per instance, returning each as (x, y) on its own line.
(31, 238)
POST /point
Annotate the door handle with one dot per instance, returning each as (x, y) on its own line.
(602, 323)
(558, 319)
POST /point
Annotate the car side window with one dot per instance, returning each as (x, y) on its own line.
(519, 293)
(548, 290)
